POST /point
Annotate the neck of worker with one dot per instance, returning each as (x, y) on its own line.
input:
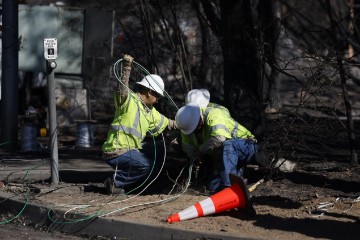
(145, 100)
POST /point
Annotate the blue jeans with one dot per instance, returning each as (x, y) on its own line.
(135, 166)
(235, 155)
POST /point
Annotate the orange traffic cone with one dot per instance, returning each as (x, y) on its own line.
(235, 196)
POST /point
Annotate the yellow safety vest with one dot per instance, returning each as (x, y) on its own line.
(221, 107)
(131, 123)
(216, 123)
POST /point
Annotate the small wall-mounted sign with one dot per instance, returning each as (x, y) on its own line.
(50, 48)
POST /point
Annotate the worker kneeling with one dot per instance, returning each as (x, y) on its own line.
(210, 131)
(135, 160)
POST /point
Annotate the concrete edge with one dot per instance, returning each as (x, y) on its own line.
(104, 226)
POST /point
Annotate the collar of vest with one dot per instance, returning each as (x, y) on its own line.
(146, 108)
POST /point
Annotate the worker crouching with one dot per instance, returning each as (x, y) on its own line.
(125, 150)
(210, 131)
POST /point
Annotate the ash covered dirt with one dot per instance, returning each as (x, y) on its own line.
(312, 202)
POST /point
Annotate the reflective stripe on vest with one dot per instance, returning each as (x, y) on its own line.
(127, 130)
(206, 112)
(221, 126)
(234, 132)
(132, 131)
(157, 128)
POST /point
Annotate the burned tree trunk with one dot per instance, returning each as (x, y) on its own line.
(339, 59)
(241, 62)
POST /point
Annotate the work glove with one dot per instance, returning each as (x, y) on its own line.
(196, 161)
(252, 139)
(125, 77)
(172, 125)
(127, 58)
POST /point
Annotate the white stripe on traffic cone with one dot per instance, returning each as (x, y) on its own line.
(235, 196)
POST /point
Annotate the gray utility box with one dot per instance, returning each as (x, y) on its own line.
(84, 51)
(39, 22)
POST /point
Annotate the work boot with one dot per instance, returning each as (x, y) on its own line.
(111, 188)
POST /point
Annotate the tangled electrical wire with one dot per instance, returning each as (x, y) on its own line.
(81, 212)
(75, 213)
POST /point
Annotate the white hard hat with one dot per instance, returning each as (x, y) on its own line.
(153, 82)
(206, 93)
(187, 118)
(199, 96)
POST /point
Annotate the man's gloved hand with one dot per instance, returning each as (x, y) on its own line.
(197, 164)
(125, 78)
(253, 139)
(172, 125)
(197, 160)
(128, 58)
